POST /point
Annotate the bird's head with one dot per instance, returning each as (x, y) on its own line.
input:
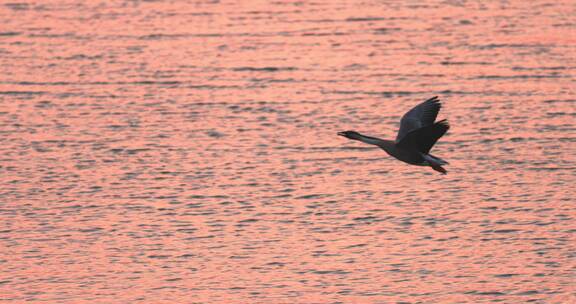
(350, 134)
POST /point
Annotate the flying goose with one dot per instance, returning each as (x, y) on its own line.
(418, 133)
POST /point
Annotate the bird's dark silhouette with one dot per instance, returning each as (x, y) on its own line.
(418, 133)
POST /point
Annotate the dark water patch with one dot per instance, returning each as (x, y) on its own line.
(502, 231)
(506, 275)
(264, 81)
(369, 219)
(205, 213)
(196, 196)
(329, 272)
(365, 19)
(22, 92)
(212, 87)
(486, 293)
(136, 151)
(162, 36)
(91, 83)
(195, 205)
(445, 239)
(159, 256)
(69, 35)
(81, 57)
(308, 34)
(9, 34)
(248, 221)
(386, 30)
(560, 101)
(18, 6)
(215, 134)
(528, 293)
(312, 196)
(188, 255)
(554, 68)
(263, 69)
(200, 237)
(507, 45)
(522, 139)
(489, 208)
(559, 114)
(356, 246)
(87, 230)
(386, 94)
(552, 169)
(502, 77)
(354, 67)
(466, 63)
(567, 24)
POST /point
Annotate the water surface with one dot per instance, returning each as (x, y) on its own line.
(186, 152)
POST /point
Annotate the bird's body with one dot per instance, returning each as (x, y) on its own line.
(417, 135)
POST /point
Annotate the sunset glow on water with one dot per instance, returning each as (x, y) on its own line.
(186, 152)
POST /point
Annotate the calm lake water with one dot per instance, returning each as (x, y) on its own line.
(186, 152)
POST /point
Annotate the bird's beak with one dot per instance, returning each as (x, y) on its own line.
(341, 133)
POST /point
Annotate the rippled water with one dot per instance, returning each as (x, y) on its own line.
(186, 152)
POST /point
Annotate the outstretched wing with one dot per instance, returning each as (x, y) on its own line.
(423, 139)
(420, 116)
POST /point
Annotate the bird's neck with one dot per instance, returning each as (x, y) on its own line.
(382, 143)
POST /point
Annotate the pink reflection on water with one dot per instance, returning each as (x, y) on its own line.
(186, 152)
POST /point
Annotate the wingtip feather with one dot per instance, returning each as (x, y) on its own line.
(443, 122)
(433, 99)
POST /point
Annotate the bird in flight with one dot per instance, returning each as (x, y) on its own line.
(418, 133)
